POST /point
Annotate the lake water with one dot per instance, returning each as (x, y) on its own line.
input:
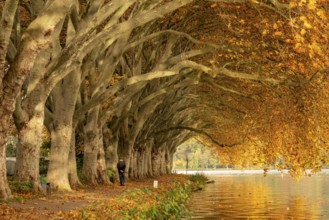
(253, 196)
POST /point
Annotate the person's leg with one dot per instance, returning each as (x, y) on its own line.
(123, 179)
(121, 175)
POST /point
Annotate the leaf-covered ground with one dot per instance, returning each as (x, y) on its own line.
(61, 205)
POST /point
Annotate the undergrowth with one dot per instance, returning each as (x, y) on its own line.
(20, 187)
(164, 203)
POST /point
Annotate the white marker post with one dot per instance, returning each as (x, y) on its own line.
(155, 184)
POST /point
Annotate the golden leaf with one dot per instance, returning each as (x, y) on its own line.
(315, 47)
(213, 5)
(293, 4)
(311, 4)
(306, 22)
(321, 14)
(278, 33)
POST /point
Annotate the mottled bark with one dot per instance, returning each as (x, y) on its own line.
(140, 164)
(6, 24)
(91, 132)
(64, 97)
(111, 148)
(59, 154)
(73, 172)
(133, 169)
(156, 162)
(29, 143)
(148, 160)
(162, 158)
(5, 192)
(29, 117)
(167, 161)
(101, 164)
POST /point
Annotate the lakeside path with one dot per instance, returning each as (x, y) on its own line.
(58, 205)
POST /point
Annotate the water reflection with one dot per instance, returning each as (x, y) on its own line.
(258, 197)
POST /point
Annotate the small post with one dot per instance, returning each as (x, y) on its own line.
(155, 184)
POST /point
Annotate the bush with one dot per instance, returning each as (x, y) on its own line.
(44, 164)
(111, 174)
(11, 146)
(199, 181)
(198, 178)
(21, 187)
(171, 206)
(82, 177)
(43, 180)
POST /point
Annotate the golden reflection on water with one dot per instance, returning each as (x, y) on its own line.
(258, 197)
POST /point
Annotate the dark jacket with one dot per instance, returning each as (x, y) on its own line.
(121, 166)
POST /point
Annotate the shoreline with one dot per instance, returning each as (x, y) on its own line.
(240, 172)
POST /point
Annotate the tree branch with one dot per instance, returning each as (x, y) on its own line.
(202, 132)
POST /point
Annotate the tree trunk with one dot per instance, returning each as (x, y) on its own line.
(125, 152)
(91, 146)
(5, 192)
(111, 146)
(32, 59)
(101, 164)
(163, 167)
(29, 143)
(167, 160)
(148, 159)
(156, 161)
(10, 84)
(6, 24)
(171, 161)
(29, 120)
(133, 164)
(140, 163)
(127, 155)
(64, 98)
(59, 154)
(73, 171)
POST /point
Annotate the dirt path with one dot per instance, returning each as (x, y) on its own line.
(50, 206)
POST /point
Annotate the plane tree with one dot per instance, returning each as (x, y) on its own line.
(46, 26)
(32, 42)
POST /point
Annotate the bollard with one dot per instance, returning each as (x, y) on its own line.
(155, 184)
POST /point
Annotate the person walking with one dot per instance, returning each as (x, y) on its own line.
(121, 170)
